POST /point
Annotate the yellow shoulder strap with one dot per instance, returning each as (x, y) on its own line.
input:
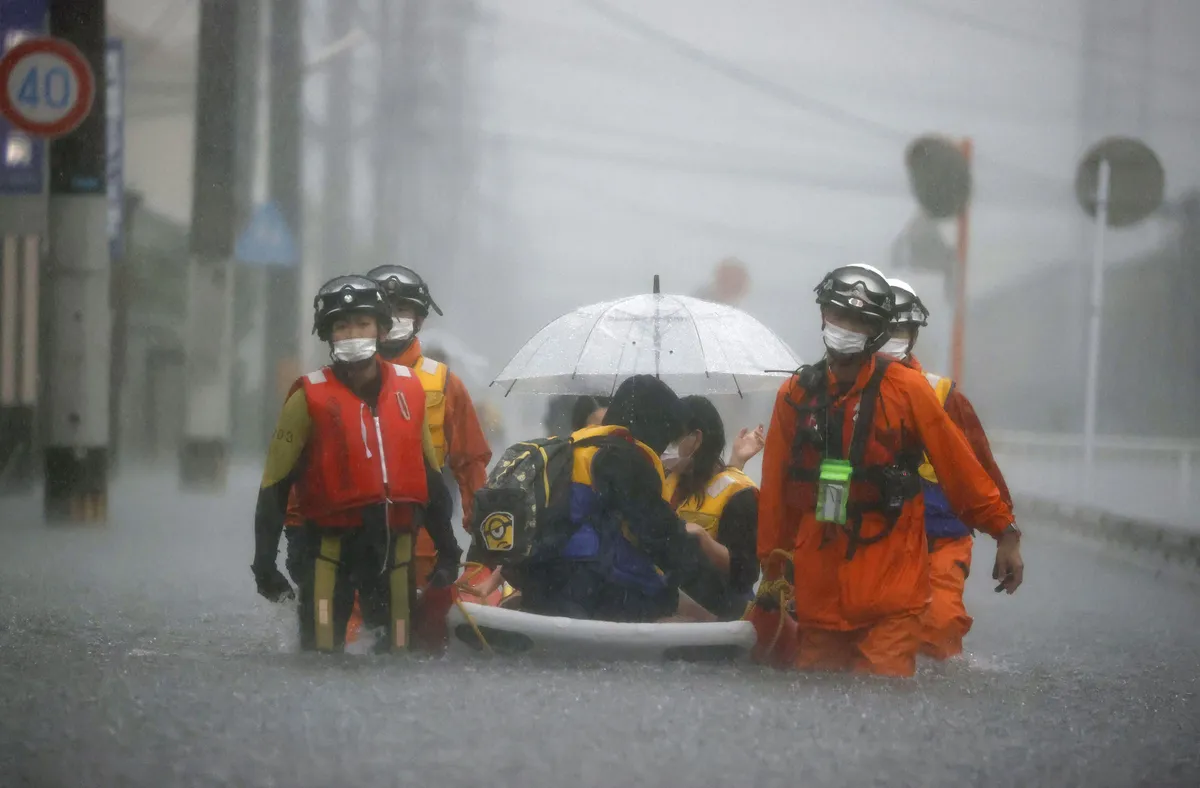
(941, 386)
(433, 373)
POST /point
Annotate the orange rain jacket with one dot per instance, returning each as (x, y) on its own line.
(962, 413)
(467, 449)
(890, 577)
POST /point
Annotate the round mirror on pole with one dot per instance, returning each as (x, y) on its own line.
(1136, 180)
(939, 175)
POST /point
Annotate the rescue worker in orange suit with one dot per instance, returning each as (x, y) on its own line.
(458, 437)
(945, 622)
(353, 444)
(840, 491)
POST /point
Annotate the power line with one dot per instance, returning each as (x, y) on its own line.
(770, 174)
(574, 150)
(736, 73)
(782, 93)
(711, 227)
(973, 22)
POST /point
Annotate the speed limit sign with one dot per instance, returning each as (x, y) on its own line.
(46, 87)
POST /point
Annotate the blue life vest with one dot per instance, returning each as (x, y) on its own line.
(599, 536)
(940, 520)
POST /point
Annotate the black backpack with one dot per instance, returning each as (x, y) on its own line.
(530, 478)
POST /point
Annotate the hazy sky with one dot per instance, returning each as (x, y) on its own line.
(624, 159)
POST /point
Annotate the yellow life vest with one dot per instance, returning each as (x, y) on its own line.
(942, 388)
(707, 513)
(433, 376)
(581, 459)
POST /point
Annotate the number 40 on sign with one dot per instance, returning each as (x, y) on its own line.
(47, 87)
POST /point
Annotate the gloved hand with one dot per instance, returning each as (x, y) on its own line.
(271, 583)
(445, 571)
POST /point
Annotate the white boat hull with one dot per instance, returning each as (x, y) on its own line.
(515, 632)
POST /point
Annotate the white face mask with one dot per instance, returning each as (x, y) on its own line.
(896, 348)
(402, 329)
(843, 341)
(672, 459)
(670, 456)
(350, 351)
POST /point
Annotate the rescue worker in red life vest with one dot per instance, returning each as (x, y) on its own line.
(719, 505)
(945, 622)
(840, 490)
(353, 442)
(458, 437)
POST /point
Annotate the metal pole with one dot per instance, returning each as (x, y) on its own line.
(284, 186)
(391, 138)
(958, 337)
(23, 225)
(336, 251)
(208, 424)
(1097, 303)
(79, 322)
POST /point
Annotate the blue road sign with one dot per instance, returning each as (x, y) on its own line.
(22, 157)
(114, 134)
(267, 240)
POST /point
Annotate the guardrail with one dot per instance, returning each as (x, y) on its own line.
(1151, 478)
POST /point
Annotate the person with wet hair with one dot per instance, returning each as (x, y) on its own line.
(611, 548)
(719, 504)
(588, 411)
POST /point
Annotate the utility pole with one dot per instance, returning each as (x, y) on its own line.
(23, 225)
(226, 54)
(1115, 98)
(336, 246)
(284, 186)
(391, 137)
(79, 319)
(421, 132)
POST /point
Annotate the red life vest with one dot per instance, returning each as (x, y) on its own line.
(356, 457)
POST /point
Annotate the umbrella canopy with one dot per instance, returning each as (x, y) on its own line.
(694, 346)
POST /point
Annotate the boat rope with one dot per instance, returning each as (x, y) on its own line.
(779, 590)
(465, 585)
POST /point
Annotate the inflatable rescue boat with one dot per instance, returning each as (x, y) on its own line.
(478, 628)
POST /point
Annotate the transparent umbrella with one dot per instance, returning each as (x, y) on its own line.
(694, 346)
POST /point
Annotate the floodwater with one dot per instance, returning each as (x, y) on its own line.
(138, 654)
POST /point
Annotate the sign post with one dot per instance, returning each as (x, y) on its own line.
(939, 174)
(48, 87)
(1119, 183)
(23, 219)
(52, 87)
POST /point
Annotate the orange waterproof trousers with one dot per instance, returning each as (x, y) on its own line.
(886, 648)
(945, 622)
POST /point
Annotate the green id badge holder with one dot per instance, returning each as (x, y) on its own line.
(833, 491)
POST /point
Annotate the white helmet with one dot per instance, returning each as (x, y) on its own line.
(908, 310)
(866, 267)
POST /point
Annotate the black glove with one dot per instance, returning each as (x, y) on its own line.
(271, 583)
(445, 571)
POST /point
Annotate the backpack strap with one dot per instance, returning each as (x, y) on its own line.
(866, 412)
(877, 476)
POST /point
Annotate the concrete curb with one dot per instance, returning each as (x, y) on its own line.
(1168, 542)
